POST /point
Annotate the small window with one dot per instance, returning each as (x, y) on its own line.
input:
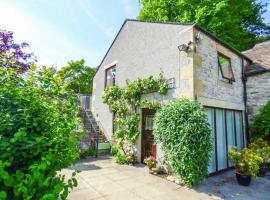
(225, 68)
(149, 122)
(171, 83)
(110, 75)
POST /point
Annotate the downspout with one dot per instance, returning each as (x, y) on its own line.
(244, 80)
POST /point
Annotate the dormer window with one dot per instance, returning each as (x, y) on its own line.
(110, 75)
(225, 71)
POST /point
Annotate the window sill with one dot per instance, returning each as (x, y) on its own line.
(225, 83)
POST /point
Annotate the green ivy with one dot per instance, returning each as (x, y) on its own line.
(124, 102)
(182, 130)
(37, 122)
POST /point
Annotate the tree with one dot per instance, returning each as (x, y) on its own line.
(239, 23)
(37, 137)
(77, 77)
(13, 55)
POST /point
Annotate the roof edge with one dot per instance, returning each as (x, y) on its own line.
(110, 46)
(159, 22)
(212, 36)
(257, 72)
(136, 20)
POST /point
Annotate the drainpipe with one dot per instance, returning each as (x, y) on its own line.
(244, 80)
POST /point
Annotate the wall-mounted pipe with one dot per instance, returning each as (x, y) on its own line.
(244, 80)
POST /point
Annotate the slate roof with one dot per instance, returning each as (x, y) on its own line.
(260, 55)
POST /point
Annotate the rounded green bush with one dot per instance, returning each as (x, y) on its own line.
(183, 131)
(261, 123)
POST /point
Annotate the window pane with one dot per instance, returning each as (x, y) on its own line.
(113, 76)
(221, 139)
(149, 122)
(110, 76)
(210, 117)
(230, 130)
(239, 131)
(225, 67)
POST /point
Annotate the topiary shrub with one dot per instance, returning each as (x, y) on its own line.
(183, 131)
(261, 123)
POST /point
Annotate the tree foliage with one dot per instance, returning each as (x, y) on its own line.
(77, 77)
(182, 129)
(124, 102)
(260, 126)
(13, 55)
(36, 135)
(239, 23)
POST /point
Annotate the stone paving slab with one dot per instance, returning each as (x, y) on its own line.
(104, 179)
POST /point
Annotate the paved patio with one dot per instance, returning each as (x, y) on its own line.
(103, 179)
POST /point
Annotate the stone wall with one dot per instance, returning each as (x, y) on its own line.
(258, 92)
(209, 89)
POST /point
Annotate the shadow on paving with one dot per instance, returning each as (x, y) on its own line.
(102, 178)
(86, 163)
(225, 186)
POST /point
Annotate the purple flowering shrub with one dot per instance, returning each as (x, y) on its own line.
(13, 55)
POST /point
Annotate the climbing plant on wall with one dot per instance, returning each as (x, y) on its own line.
(125, 103)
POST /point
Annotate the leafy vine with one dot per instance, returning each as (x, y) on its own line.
(125, 104)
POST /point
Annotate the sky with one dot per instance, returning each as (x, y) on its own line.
(62, 30)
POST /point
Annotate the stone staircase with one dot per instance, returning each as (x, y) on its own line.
(94, 135)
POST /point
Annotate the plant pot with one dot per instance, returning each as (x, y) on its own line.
(262, 172)
(242, 179)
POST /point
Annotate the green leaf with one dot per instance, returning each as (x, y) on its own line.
(3, 195)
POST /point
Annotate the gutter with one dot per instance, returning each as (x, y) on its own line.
(255, 73)
(244, 80)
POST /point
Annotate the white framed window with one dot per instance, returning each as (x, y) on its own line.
(110, 75)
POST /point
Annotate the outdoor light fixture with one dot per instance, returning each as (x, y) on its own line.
(185, 47)
(198, 37)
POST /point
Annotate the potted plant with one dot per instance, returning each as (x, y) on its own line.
(247, 164)
(262, 147)
(151, 162)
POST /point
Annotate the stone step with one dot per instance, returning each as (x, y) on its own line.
(90, 124)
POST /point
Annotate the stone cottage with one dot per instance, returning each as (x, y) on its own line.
(258, 83)
(196, 64)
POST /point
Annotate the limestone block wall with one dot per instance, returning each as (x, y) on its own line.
(209, 90)
(258, 92)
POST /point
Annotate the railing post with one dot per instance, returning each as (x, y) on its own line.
(97, 141)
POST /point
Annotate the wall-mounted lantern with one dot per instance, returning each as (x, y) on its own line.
(185, 47)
